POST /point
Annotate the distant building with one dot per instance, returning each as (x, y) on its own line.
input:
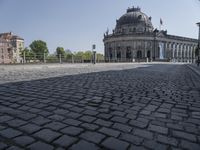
(135, 39)
(10, 47)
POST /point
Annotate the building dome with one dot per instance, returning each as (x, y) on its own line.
(134, 21)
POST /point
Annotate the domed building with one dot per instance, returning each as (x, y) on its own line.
(135, 39)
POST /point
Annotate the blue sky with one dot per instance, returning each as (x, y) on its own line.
(77, 24)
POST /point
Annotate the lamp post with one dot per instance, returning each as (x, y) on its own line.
(198, 47)
(94, 54)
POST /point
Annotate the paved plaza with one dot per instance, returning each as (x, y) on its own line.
(104, 106)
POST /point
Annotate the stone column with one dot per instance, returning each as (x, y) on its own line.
(181, 51)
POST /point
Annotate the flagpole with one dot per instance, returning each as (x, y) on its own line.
(161, 23)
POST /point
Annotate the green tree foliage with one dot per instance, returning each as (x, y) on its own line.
(87, 55)
(100, 57)
(39, 47)
(68, 54)
(52, 58)
(78, 55)
(28, 54)
(60, 51)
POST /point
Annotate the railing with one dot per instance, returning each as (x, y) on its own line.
(57, 59)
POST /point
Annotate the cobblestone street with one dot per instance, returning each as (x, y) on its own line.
(155, 106)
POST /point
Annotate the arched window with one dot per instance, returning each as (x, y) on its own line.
(139, 54)
(148, 54)
(128, 52)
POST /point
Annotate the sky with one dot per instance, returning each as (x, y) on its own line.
(78, 24)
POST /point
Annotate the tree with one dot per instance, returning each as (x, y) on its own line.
(68, 54)
(100, 57)
(29, 54)
(52, 58)
(39, 47)
(87, 55)
(60, 51)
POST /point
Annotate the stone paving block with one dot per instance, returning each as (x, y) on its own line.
(88, 119)
(30, 128)
(72, 130)
(192, 130)
(151, 144)
(92, 136)
(56, 117)
(122, 127)
(131, 116)
(143, 133)
(55, 125)
(24, 140)
(139, 124)
(72, 122)
(84, 145)
(40, 146)
(10, 133)
(61, 111)
(167, 105)
(115, 144)
(160, 115)
(34, 110)
(45, 113)
(16, 123)
(163, 110)
(158, 122)
(65, 141)
(14, 148)
(159, 129)
(3, 145)
(167, 140)
(184, 135)
(151, 107)
(40, 120)
(145, 112)
(73, 115)
(119, 119)
(189, 145)
(118, 113)
(5, 118)
(104, 116)
(90, 112)
(133, 147)
(46, 135)
(141, 119)
(77, 109)
(109, 132)
(59, 148)
(2, 127)
(90, 126)
(102, 122)
(27, 116)
(174, 126)
(175, 117)
(131, 138)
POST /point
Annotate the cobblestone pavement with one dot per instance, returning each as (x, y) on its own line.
(156, 107)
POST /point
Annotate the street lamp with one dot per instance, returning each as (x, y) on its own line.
(198, 46)
(94, 54)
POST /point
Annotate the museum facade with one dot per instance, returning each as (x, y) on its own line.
(135, 39)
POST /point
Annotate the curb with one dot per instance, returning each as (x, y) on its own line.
(193, 69)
